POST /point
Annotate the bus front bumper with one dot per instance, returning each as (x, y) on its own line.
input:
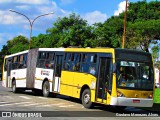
(135, 102)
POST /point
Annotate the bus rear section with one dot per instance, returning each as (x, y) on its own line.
(134, 79)
(15, 67)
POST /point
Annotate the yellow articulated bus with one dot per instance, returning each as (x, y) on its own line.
(108, 76)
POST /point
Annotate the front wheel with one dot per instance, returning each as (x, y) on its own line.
(46, 89)
(86, 98)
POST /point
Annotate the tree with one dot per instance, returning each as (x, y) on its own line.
(3, 52)
(19, 43)
(71, 31)
(142, 34)
(42, 41)
(109, 33)
(155, 52)
(143, 24)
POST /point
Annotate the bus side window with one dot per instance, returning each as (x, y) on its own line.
(46, 60)
(92, 67)
(84, 58)
(77, 60)
(25, 60)
(85, 64)
(41, 60)
(14, 62)
(50, 60)
(5, 66)
(67, 61)
(21, 62)
(95, 58)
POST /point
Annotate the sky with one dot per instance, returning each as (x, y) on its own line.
(13, 24)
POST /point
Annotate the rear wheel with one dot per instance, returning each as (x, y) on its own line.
(86, 98)
(46, 89)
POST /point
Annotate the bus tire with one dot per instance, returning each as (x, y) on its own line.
(86, 98)
(46, 89)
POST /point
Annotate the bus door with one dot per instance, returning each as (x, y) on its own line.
(104, 77)
(57, 72)
(8, 65)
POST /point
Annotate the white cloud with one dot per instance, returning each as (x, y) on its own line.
(32, 1)
(13, 24)
(23, 7)
(8, 18)
(26, 1)
(95, 17)
(121, 8)
(44, 9)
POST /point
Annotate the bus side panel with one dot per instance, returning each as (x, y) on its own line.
(81, 79)
(42, 74)
(20, 76)
(4, 79)
(66, 84)
(78, 82)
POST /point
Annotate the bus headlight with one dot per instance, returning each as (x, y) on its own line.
(151, 96)
(119, 94)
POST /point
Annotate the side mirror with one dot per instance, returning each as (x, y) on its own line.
(114, 68)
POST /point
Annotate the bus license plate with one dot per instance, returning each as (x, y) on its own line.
(136, 101)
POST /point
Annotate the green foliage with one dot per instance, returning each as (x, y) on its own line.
(157, 95)
(18, 44)
(142, 34)
(141, 10)
(155, 50)
(71, 31)
(109, 33)
(42, 41)
(3, 52)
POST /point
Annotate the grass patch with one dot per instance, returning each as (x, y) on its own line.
(157, 95)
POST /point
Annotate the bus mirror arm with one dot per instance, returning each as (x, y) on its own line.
(114, 68)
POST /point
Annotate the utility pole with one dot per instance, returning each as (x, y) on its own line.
(125, 21)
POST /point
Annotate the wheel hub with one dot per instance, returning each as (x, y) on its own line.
(87, 98)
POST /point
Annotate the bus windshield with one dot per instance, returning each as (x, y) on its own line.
(135, 75)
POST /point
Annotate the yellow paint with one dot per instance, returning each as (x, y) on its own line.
(3, 68)
(100, 101)
(108, 98)
(114, 85)
(20, 78)
(102, 50)
(93, 93)
(72, 83)
(66, 84)
(135, 93)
